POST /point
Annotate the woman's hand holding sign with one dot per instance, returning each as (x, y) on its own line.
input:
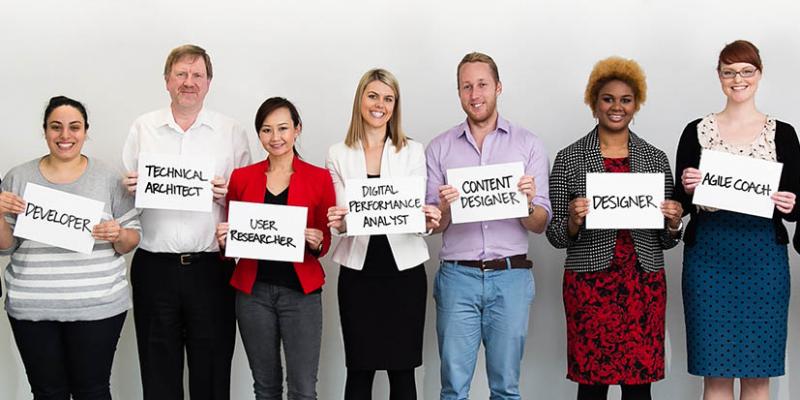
(578, 208)
(784, 201)
(336, 219)
(690, 177)
(673, 212)
(222, 233)
(10, 203)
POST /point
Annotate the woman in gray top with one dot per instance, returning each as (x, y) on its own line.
(66, 308)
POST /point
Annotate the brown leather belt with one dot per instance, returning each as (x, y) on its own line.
(518, 261)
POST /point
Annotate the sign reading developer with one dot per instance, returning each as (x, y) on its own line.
(266, 231)
(58, 218)
(487, 193)
(174, 182)
(737, 183)
(385, 205)
(625, 200)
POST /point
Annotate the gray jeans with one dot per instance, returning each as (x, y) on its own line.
(275, 314)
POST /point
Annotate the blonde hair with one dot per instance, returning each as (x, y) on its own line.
(187, 50)
(616, 69)
(356, 132)
(475, 57)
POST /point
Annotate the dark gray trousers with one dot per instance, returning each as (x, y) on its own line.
(272, 315)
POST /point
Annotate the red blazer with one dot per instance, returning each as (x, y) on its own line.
(309, 186)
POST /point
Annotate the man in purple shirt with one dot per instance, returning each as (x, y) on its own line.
(484, 287)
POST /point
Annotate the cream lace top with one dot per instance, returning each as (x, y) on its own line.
(763, 147)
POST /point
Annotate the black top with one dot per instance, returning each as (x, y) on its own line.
(787, 151)
(279, 273)
(379, 260)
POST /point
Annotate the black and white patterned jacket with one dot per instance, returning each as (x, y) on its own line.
(592, 250)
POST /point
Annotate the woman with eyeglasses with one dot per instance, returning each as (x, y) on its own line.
(735, 266)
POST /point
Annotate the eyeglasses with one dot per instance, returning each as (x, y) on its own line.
(730, 74)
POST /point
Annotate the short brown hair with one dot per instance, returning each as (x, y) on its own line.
(616, 69)
(187, 50)
(477, 57)
(740, 51)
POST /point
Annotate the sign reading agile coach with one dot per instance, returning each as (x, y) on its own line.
(58, 218)
(487, 193)
(174, 182)
(266, 231)
(737, 183)
(624, 200)
(385, 205)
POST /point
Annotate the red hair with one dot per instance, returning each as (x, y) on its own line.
(740, 51)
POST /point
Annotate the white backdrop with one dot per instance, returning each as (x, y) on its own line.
(110, 54)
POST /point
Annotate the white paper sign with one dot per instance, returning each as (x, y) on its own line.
(385, 205)
(58, 218)
(625, 200)
(266, 231)
(174, 182)
(737, 183)
(487, 193)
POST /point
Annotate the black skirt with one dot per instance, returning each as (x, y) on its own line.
(382, 311)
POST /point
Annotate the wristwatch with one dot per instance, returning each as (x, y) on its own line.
(678, 229)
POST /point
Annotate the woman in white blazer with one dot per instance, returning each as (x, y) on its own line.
(382, 282)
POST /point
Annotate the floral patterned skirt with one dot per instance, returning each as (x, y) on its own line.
(615, 321)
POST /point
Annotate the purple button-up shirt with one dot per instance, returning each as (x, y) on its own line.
(456, 148)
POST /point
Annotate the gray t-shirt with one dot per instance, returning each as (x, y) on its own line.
(53, 284)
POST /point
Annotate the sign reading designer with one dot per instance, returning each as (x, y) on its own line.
(487, 193)
(385, 205)
(174, 182)
(58, 218)
(737, 183)
(266, 231)
(625, 200)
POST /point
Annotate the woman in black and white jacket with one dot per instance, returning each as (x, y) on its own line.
(614, 285)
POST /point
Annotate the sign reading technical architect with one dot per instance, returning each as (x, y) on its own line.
(266, 231)
(385, 205)
(624, 200)
(737, 183)
(487, 193)
(58, 218)
(174, 182)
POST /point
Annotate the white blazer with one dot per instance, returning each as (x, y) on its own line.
(344, 163)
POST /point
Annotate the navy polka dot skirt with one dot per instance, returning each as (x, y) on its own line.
(735, 297)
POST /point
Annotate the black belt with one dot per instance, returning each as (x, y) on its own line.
(518, 261)
(185, 258)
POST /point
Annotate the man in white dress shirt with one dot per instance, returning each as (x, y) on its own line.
(181, 296)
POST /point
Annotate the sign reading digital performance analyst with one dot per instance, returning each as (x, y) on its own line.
(174, 182)
(487, 193)
(385, 205)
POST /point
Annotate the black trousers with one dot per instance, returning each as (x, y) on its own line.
(183, 304)
(66, 360)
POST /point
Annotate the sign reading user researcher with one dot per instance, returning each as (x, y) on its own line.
(266, 231)
(385, 205)
(58, 218)
(174, 182)
(625, 200)
(737, 183)
(487, 193)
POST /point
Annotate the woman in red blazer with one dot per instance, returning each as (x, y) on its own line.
(281, 301)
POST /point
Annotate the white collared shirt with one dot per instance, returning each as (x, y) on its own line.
(212, 135)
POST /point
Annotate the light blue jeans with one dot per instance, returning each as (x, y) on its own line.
(474, 306)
